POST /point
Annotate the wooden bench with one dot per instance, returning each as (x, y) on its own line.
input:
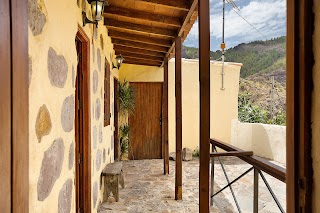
(113, 176)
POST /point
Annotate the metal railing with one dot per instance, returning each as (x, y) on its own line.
(258, 165)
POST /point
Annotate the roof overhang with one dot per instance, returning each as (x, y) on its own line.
(144, 31)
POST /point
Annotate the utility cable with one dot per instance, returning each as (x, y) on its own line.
(248, 22)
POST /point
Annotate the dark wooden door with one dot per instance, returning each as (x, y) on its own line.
(145, 122)
(82, 125)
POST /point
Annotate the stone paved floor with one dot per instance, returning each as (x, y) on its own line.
(148, 190)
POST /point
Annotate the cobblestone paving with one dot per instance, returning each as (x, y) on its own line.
(148, 190)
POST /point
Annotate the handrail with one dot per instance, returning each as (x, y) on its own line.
(258, 162)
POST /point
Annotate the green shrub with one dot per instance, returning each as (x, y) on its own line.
(278, 119)
(249, 113)
(126, 98)
(196, 152)
(124, 138)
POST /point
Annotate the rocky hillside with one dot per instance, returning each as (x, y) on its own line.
(261, 60)
(259, 85)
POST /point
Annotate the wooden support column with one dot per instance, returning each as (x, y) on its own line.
(165, 143)
(204, 73)
(178, 188)
(300, 61)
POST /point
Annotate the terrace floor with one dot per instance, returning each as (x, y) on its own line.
(148, 190)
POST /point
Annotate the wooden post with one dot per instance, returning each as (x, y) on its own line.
(212, 177)
(178, 188)
(204, 74)
(300, 60)
(165, 143)
(256, 190)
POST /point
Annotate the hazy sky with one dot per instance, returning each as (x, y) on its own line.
(268, 16)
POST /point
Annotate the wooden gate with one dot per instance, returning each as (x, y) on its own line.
(145, 122)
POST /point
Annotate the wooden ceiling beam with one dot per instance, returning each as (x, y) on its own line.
(115, 24)
(143, 59)
(139, 38)
(175, 4)
(121, 49)
(139, 45)
(142, 62)
(139, 56)
(193, 8)
(135, 14)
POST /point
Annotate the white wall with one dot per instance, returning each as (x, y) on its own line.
(264, 140)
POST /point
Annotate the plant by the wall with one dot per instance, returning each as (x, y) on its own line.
(196, 152)
(126, 98)
(249, 113)
(124, 138)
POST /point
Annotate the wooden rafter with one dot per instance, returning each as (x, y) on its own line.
(142, 62)
(140, 38)
(193, 8)
(139, 45)
(120, 49)
(142, 59)
(115, 24)
(139, 56)
(135, 14)
(175, 4)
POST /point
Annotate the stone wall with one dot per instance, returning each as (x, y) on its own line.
(53, 26)
(268, 141)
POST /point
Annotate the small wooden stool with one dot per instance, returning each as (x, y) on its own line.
(113, 176)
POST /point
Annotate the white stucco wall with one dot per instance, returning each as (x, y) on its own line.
(264, 140)
(224, 104)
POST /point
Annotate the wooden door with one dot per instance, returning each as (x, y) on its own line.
(14, 107)
(82, 125)
(145, 122)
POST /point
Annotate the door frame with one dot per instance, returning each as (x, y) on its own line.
(86, 134)
(14, 107)
(300, 61)
(117, 150)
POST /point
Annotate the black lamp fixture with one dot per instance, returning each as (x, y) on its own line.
(97, 8)
(119, 60)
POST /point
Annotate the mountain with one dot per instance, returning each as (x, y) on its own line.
(261, 60)
(255, 56)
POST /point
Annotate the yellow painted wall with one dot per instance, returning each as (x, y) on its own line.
(140, 73)
(316, 110)
(224, 104)
(63, 18)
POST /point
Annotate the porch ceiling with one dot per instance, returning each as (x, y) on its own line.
(144, 31)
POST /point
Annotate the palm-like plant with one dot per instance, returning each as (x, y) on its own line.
(124, 138)
(126, 98)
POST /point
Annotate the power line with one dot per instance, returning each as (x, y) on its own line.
(248, 22)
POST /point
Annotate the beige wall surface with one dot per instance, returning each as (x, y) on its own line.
(61, 22)
(224, 104)
(316, 110)
(268, 141)
(140, 73)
